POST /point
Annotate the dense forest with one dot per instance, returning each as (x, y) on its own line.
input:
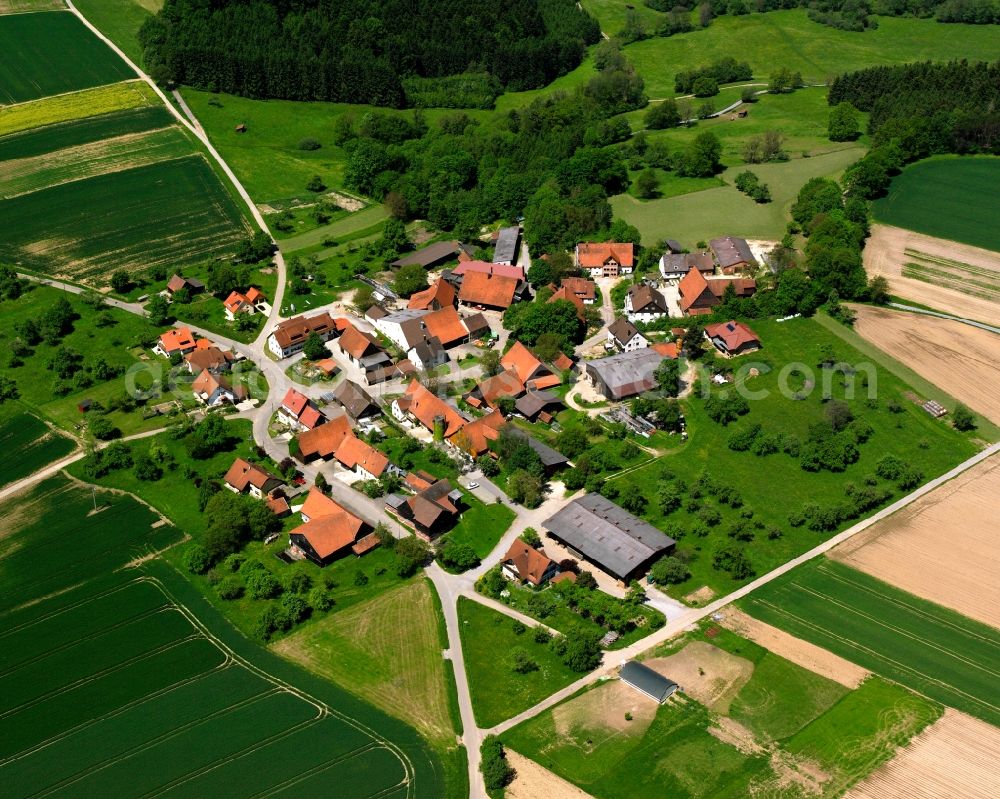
(917, 110)
(853, 15)
(383, 52)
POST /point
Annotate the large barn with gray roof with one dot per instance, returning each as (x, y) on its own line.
(609, 537)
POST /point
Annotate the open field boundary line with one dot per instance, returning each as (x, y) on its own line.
(100, 674)
(946, 687)
(153, 742)
(898, 630)
(917, 611)
(47, 97)
(960, 266)
(65, 609)
(914, 309)
(678, 625)
(948, 280)
(322, 707)
(319, 768)
(70, 644)
(167, 689)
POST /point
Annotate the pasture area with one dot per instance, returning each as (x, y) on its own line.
(773, 487)
(169, 213)
(120, 21)
(78, 105)
(923, 646)
(722, 210)
(955, 756)
(771, 728)
(53, 53)
(790, 39)
(941, 351)
(955, 278)
(117, 682)
(950, 198)
(398, 667)
(25, 6)
(27, 444)
(498, 692)
(943, 547)
(112, 334)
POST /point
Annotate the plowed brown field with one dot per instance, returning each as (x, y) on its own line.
(951, 277)
(961, 359)
(954, 758)
(944, 547)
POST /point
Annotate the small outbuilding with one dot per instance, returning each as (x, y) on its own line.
(646, 681)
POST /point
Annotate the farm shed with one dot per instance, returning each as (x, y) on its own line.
(608, 536)
(646, 681)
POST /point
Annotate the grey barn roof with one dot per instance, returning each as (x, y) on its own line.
(607, 535)
(506, 247)
(627, 373)
(548, 456)
(730, 251)
(429, 256)
(649, 682)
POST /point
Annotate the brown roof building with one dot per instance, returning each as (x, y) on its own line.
(529, 369)
(488, 290)
(528, 565)
(438, 296)
(732, 254)
(328, 532)
(244, 477)
(428, 409)
(732, 338)
(430, 511)
(606, 259)
(290, 336)
(322, 441)
(699, 296)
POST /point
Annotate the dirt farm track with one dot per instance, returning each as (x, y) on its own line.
(945, 547)
(954, 757)
(955, 278)
(961, 359)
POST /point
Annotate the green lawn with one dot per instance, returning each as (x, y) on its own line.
(110, 333)
(53, 53)
(498, 692)
(26, 444)
(800, 719)
(863, 730)
(790, 39)
(175, 495)
(481, 526)
(952, 198)
(120, 21)
(925, 647)
(911, 434)
(702, 215)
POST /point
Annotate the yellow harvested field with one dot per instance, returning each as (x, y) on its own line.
(960, 358)
(75, 105)
(23, 175)
(955, 278)
(954, 758)
(945, 547)
(601, 711)
(535, 782)
(802, 653)
(396, 666)
(706, 673)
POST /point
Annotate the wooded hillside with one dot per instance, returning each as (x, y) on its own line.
(362, 50)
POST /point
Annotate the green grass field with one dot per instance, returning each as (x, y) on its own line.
(498, 692)
(702, 215)
(53, 53)
(928, 444)
(26, 445)
(798, 720)
(123, 683)
(481, 526)
(923, 646)
(110, 333)
(951, 198)
(790, 39)
(172, 213)
(120, 21)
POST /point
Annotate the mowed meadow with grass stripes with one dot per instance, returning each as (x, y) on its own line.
(96, 174)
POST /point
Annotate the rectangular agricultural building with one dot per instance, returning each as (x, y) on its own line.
(609, 537)
(646, 681)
